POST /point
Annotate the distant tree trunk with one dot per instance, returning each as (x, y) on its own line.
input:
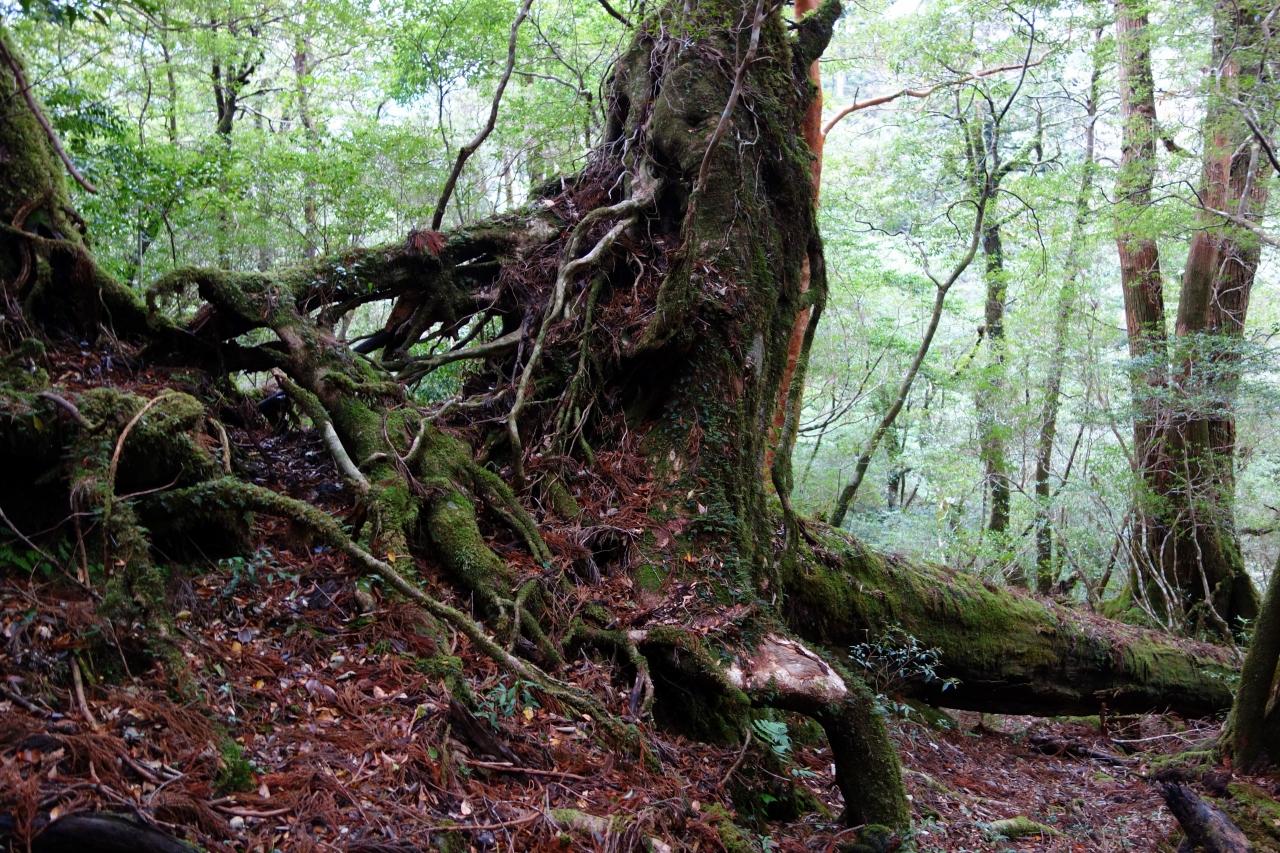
(990, 392)
(310, 214)
(229, 81)
(1190, 525)
(1046, 574)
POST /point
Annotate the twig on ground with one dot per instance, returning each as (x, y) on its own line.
(742, 753)
(506, 767)
(79, 687)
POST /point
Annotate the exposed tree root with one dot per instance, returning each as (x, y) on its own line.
(246, 496)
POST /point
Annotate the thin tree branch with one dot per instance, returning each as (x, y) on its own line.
(471, 147)
(614, 12)
(925, 92)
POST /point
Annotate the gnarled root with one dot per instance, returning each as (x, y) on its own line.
(257, 499)
(782, 673)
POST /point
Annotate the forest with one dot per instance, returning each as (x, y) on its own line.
(639, 425)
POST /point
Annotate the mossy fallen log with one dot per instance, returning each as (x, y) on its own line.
(1013, 653)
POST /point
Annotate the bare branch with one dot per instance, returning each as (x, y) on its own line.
(614, 12)
(927, 91)
(471, 147)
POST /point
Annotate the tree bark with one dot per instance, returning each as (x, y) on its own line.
(1206, 827)
(814, 138)
(990, 393)
(1252, 736)
(1140, 280)
(1190, 526)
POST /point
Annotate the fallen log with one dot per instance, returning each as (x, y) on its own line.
(1206, 827)
(101, 833)
(1012, 652)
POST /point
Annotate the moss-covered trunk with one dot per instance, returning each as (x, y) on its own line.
(1013, 653)
(1253, 732)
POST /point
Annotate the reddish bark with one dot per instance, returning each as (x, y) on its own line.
(811, 130)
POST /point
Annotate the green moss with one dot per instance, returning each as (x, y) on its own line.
(235, 772)
(932, 717)
(650, 577)
(561, 501)
(589, 824)
(1191, 760)
(1018, 827)
(732, 837)
(873, 838)
(1255, 812)
(451, 526)
(450, 842)
(844, 590)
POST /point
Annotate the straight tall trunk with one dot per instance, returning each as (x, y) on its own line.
(301, 72)
(1045, 572)
(1191, 526)
(991, 389)
(1140, 280)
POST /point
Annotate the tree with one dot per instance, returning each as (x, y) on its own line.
(627, 331)
(1187, 555)
(1067, 296)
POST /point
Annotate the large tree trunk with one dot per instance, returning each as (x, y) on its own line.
(1140, 279)
(1193, 468)
(1187, 554)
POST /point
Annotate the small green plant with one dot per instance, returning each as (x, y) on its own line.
(236, 771)
(895, 659)
(504, 700)
(775, 735)
(17, 555)
(262, 564)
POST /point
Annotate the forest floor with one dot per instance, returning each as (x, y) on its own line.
(284, 717)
